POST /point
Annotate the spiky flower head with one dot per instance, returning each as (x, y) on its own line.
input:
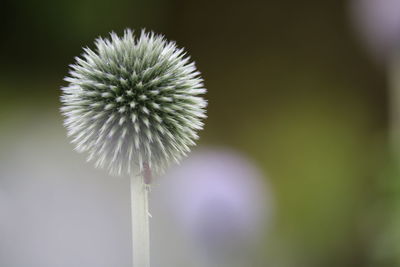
(133, 103)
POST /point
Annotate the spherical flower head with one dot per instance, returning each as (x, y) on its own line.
(223, 207)
(133, 103)
(378, 23)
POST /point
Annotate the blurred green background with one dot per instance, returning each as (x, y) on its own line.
(289, 84)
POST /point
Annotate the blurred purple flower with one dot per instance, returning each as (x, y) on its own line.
(219, 199)
(378, 23)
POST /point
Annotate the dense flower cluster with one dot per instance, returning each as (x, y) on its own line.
(133, 103)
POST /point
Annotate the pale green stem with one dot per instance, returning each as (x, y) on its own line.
(394, 102)
(140, 222)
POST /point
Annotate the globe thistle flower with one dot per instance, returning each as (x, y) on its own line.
(378, 24)
(133, 103)
(222, 209)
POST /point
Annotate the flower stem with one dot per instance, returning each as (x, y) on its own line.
(394, 96)
(140, 222)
